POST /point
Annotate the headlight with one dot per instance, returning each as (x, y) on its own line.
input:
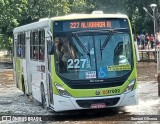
(62, 91)
(130, 86)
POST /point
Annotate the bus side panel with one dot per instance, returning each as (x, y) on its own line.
(25, 75)
(37, 77)
(26, 65)
(55, 91)
(134, 56)
(18, 73)
(14, 59)
(17, 64)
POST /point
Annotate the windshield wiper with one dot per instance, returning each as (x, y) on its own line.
(111, 32)
(81, 43)
(106, 40)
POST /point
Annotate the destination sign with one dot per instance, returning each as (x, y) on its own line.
(89, 24)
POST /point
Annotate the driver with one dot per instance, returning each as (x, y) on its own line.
(67, 50)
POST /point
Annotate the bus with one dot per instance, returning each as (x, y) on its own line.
(77, 61)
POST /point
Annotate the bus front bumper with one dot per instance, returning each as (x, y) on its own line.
(64, 103)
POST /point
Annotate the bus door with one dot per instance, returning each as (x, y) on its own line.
(27, 73)
(16, 61)
(49, 75)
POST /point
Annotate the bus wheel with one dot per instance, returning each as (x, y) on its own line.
(43, 97)
(23, 86)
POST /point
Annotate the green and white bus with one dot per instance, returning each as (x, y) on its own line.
(77, 61)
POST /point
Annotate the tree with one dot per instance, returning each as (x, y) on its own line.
(81, 6)
(10, 14)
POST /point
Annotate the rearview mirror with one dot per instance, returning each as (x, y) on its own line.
(50, 47)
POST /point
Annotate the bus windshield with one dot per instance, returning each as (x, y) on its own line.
(93, 54)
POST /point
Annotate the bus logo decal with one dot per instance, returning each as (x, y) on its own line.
(97, 92)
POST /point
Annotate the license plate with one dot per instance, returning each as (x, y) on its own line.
(99, 105)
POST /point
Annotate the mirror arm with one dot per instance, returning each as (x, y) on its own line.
(49, 32)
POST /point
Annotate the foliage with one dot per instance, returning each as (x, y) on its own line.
(81, 6)
(5, 45)
(19, 12)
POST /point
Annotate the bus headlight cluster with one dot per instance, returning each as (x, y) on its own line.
(130, 86)
(62, 91)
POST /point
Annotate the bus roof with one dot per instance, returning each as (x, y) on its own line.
(35, 25)
(45, 22)
(88, 16)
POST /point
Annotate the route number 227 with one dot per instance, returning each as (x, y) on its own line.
(76, 63)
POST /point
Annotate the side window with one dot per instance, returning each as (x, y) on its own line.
(37, 45)
(21, 45)
(41, 44)
(31, 45)
(34, 45)
(18, 46)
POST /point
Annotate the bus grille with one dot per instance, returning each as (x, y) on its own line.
(88, 103)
